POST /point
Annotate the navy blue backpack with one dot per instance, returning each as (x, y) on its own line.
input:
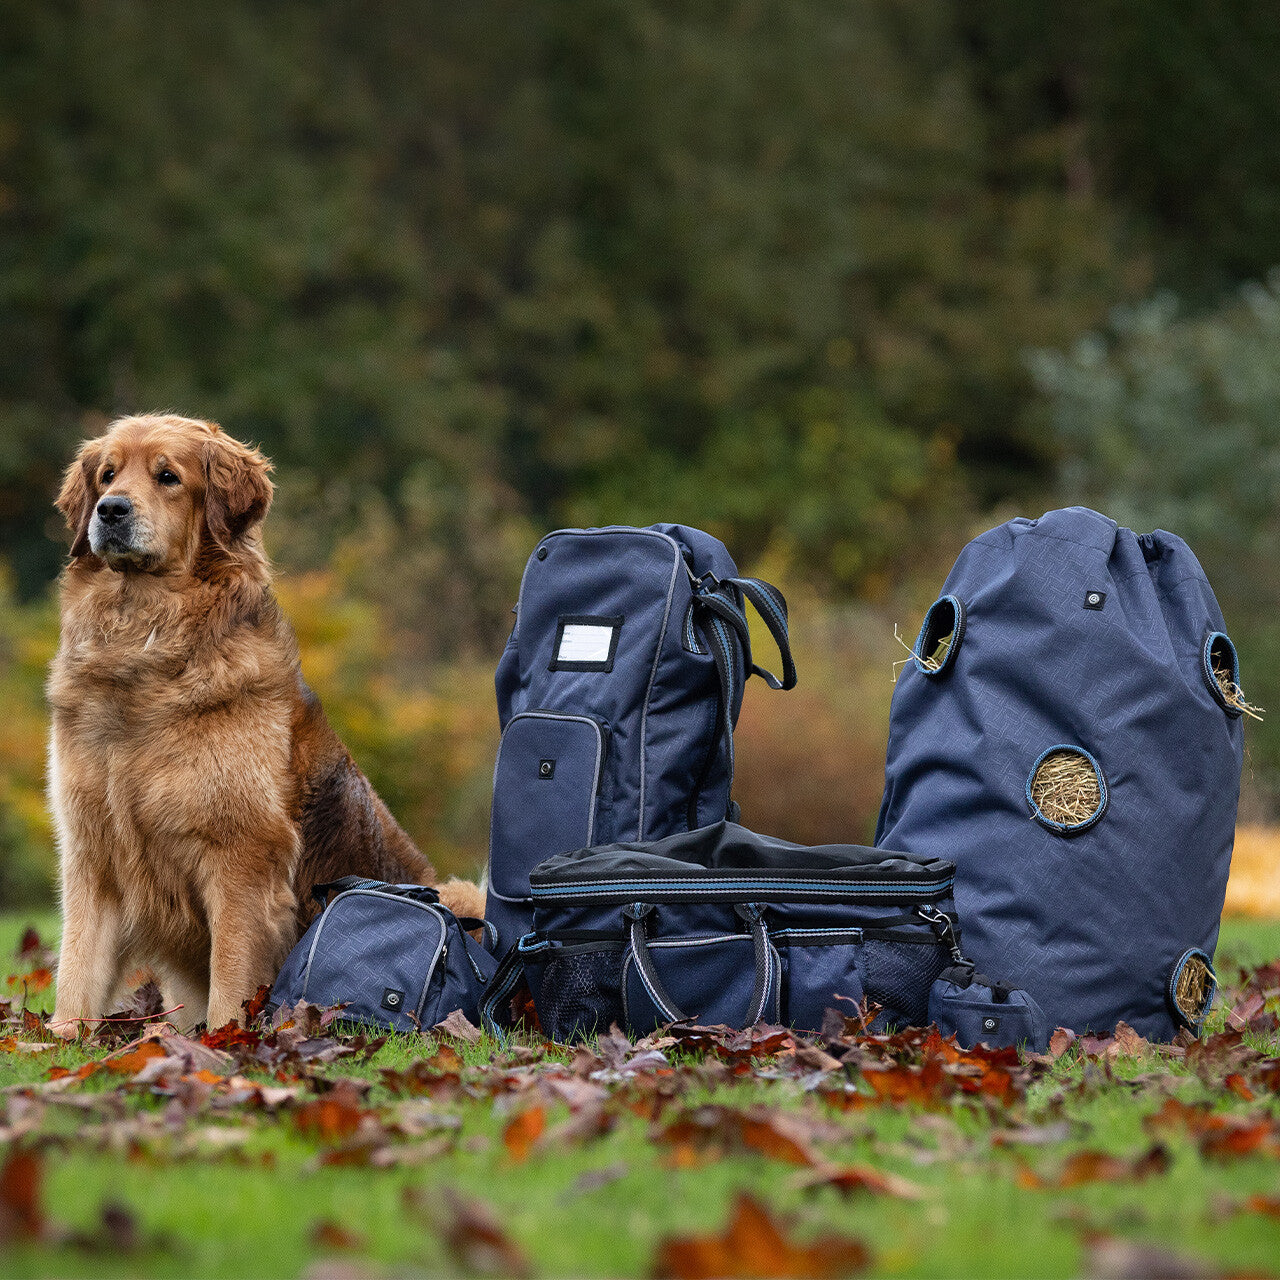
(617, 695)
(1068, 733)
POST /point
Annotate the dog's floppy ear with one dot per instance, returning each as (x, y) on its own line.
(238, 488)
(79, 495)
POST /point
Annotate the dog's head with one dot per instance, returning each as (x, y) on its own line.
(158, 494)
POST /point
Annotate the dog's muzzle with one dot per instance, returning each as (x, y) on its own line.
(113, 531)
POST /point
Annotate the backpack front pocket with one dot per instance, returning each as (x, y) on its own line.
(546, 785)
(379, 954)
(715, 980)
(822, 968)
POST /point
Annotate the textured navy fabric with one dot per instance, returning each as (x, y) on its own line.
(1078, 633)
(397, 960)
(628, 743)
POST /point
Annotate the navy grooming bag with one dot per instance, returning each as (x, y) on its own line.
(729, 927)
(391, 953)
(1070, 643)
(617, 695)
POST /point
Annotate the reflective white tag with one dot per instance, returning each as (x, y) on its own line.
(583, 643)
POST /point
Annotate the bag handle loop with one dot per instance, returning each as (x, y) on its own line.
(766, 978)
(320, 892)
(718, 612)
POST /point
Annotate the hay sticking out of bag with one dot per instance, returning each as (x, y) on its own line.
(1065, 788)
(1192, 990)
(1232, 693)
(933, 662)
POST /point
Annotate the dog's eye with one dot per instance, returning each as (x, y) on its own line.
(108, 475)
(167, 477)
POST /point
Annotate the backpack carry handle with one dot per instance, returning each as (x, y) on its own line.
(766, 976)
(716, 612)
(321, 892)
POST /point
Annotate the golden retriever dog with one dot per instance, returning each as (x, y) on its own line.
(197, 789)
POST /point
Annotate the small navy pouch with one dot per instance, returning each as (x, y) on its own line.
(391, 953)
(976, 1009)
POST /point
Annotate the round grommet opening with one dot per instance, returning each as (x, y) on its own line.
(1221, 670)
(1192, 984)
(940, 636)
(1066, 790)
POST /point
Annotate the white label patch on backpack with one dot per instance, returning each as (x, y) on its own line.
(586, 643)
(582, 643)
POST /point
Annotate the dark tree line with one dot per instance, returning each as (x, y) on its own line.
(466, 270)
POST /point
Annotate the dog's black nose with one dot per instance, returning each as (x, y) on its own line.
(114, 507)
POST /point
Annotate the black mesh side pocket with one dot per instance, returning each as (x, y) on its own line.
(899, 975)
(576, 989)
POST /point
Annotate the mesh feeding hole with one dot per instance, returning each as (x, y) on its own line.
(939, 635)
(1066, 790)
(1193, 988)
(1223, 666)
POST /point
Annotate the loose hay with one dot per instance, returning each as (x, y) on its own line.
(1065, 788)
(931, 662)
(1232, 694)
(1193, 989)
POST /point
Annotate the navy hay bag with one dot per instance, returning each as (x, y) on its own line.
(1069, 734)
(617, 695)
(729, 927)
(391, 953)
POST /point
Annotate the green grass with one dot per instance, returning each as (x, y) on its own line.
(252, 1214)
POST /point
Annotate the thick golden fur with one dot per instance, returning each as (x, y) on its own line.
(197, 788)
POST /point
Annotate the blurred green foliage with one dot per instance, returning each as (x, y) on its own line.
(1173, 421)
(471, 271)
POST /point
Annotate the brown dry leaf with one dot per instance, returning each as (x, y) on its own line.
(1127, 1043)
(460, 1027)
(35, 981)
(21, 1185)
(132, 1058)
(1098, 1166)
(436, 1076)
(754, 1245)
(1061, 1040)
(336, 1115)
(848, 1178)
(82, 1072)
(327, 1234)
(475, 1239)
(811, 1058)
(1239, 1086)
(1268, 1206)
(1219, 1135)
(710, 1132)
(522, 1131)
